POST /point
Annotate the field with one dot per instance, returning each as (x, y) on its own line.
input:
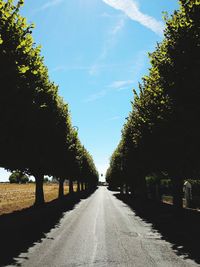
(169, 200)
(19, 196)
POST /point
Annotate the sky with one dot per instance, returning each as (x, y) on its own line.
(97, 52)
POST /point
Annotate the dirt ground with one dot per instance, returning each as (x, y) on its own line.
(19, 196)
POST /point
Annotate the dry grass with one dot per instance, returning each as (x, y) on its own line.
(169, 200)
(19, 196)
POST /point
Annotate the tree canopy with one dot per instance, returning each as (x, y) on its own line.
(162, 130)
(36, 134)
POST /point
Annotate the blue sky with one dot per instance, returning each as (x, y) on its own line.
(97, 52)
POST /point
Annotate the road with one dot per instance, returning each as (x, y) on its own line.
(102, 231)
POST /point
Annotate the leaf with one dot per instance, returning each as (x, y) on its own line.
(1, 40)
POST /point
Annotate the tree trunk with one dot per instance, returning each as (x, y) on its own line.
(86, 186)
(122, 189)
(78, 186)
(61, 188)
(39, 192)
(71, 189)
(177, 189)
(158, 192)
(82, 186)
(140, 188)
(127, 189)
(132, 190)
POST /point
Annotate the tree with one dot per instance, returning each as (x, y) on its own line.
(35, 121)
(18, 177)
(162, 131)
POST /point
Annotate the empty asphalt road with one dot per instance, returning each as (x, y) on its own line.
(102, 231)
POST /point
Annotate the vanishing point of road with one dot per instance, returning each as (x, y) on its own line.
(102, 231)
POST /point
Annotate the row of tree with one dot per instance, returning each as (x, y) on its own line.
(36, 135)
(162, 132)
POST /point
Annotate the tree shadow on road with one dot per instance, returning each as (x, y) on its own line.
(22, 229)
(180, 228)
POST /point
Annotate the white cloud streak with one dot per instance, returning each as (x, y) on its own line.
(96, 96)
(115, 118)
(131, 9)
(115, 86)
(51, 3)
(71, 67)
(119, 84)
(118, 27)
(108, 45)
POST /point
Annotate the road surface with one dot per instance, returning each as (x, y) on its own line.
(102, 231)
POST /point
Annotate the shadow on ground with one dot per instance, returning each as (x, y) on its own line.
(180, 228)
(22, 229)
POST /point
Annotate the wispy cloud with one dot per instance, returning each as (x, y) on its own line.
(71, 67)
(135, 67)
(90, 68)
(131, 9)
(118, 27)
(51, 3)
(108, 45)
(116, 85)
(120, 84)
(57, 69)
(94, 69)
(138, 68)
(115, 118)
(95, 96)
(106, 15)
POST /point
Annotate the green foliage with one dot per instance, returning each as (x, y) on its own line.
(195, 187)
(36, 135)
(46, 179)
(162, 131)
(18, 177)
